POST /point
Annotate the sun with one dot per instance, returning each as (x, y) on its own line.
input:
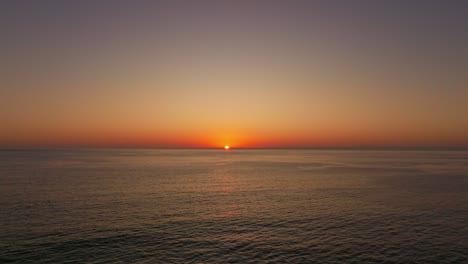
(226, 147)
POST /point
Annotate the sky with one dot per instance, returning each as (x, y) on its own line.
(240, 73)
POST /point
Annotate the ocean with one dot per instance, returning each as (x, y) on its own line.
(236, 206)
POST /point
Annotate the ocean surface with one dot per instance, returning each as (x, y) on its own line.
(237, 206)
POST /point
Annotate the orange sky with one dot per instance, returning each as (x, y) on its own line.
(244, 75)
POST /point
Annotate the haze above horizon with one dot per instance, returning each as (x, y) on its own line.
(256, 74)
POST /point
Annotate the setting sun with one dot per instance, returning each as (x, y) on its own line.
(226, 147)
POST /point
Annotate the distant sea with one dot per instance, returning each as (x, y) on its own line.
(236, 206)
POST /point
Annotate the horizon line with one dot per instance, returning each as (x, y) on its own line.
(421, 148)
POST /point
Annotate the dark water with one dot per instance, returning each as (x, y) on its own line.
(240, 206)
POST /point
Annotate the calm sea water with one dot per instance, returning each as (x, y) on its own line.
(239, 206)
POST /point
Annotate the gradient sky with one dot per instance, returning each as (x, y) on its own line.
(243, 73)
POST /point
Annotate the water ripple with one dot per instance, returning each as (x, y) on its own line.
(176, 206)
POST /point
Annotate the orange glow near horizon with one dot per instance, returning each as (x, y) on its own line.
(240, 139)
(188, 79)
